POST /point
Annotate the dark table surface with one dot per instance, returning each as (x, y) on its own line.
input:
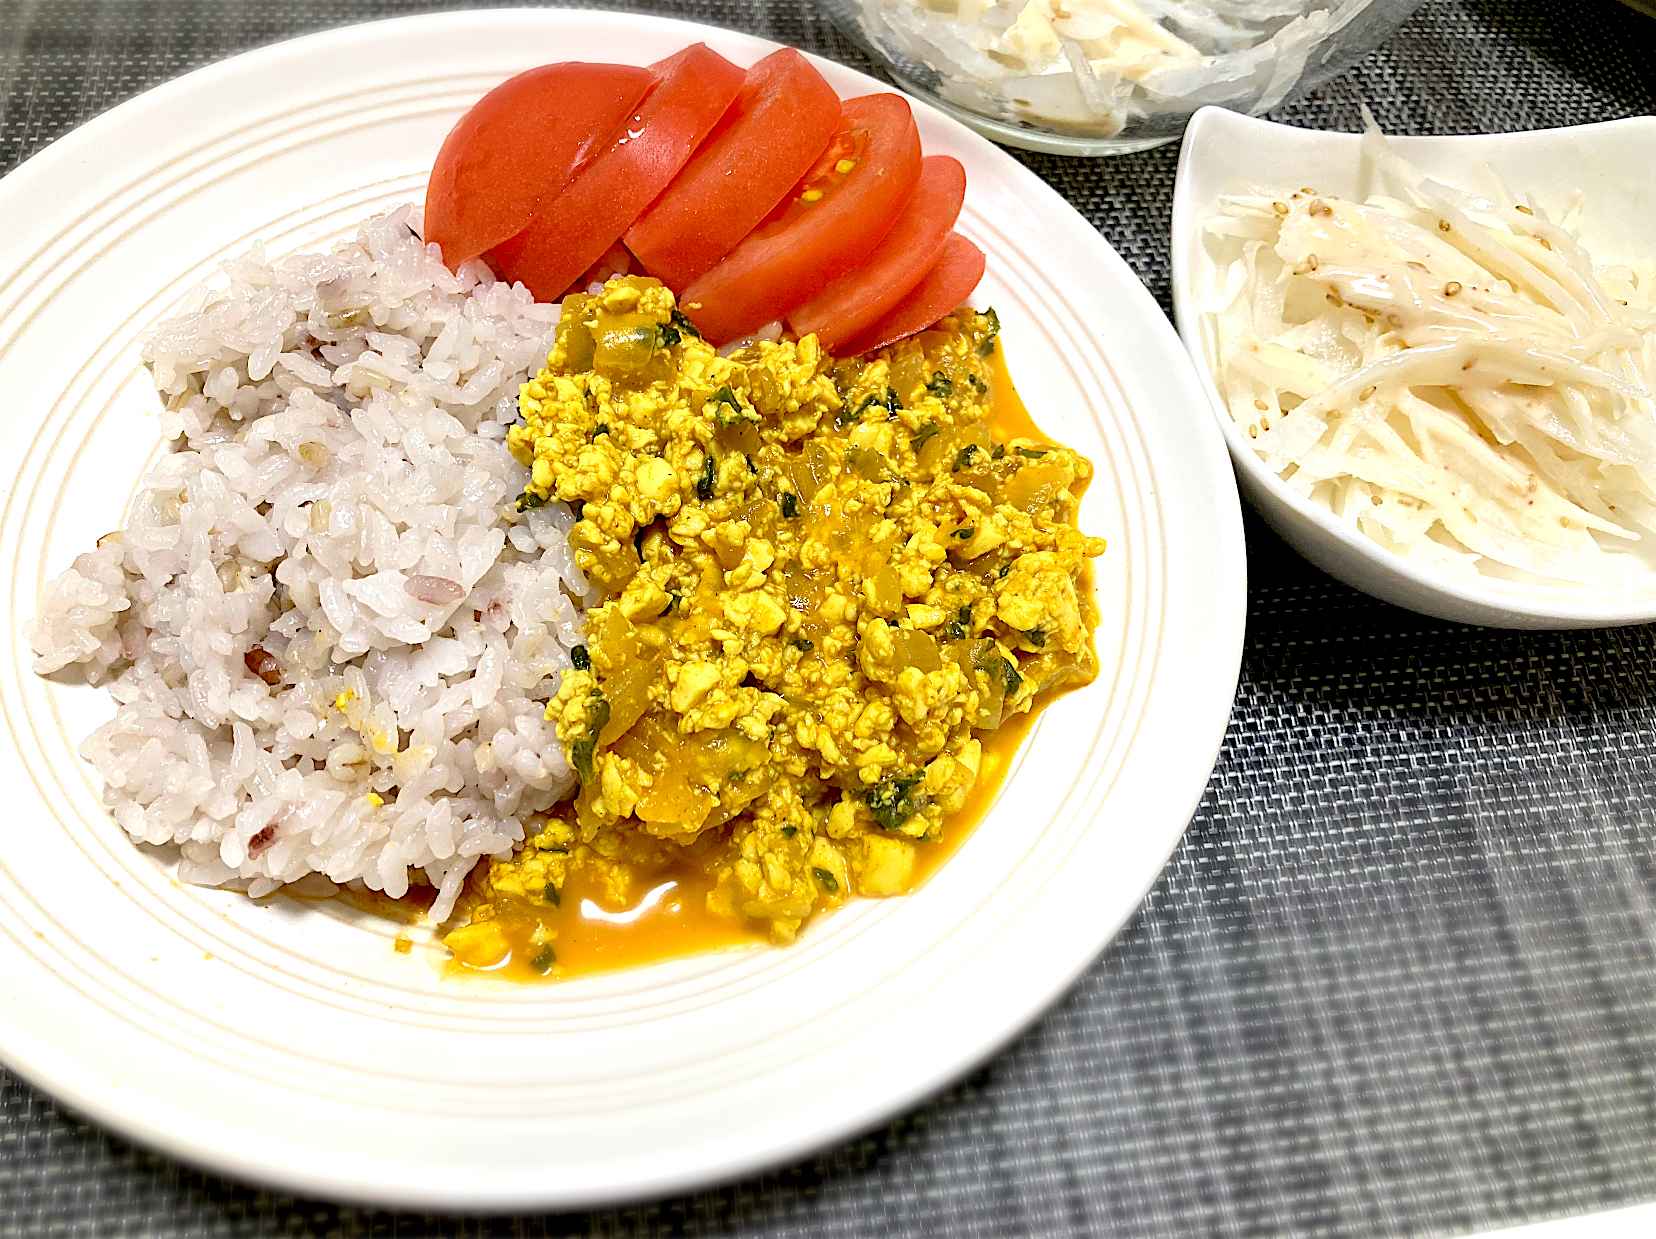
(1400, 979)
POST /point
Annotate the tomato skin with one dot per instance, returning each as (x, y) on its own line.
(519, 145)
(863, 295)
(572, 231)
(782, 118)
(944, 287)
(806, 245)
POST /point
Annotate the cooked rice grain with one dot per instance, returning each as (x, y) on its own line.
(330, 634)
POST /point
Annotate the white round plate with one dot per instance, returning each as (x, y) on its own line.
(287, 1043)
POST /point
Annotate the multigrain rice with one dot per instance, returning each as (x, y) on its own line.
(330, 634)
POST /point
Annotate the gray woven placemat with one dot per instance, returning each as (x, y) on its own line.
(1399, 980)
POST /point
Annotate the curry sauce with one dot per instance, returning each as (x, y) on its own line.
(836, 594)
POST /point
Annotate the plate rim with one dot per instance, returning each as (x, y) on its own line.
(66, 1080)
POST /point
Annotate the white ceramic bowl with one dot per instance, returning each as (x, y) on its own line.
(1612, 164)
(291, 1044)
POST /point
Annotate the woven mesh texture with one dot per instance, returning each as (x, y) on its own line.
(1400, 978)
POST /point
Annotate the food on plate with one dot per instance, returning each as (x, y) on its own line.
(845, 205)
(571, 230)
(781, 120)
(331, 634)
(755, 196)
(824, 583)
(446, 590)
(1089, 67)
(518, 147)
(1454, 376)
(958, 270)
(857, 299)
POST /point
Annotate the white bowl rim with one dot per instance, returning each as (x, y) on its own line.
(1462, 598)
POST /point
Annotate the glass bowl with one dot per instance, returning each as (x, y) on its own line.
(1106, 77)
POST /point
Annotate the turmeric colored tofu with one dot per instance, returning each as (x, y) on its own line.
(824, 583)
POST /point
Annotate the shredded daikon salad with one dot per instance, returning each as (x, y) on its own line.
(1090, 67)
(1453, 376)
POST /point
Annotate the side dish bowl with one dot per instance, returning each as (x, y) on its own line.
(1108, 115)
(1611, 165)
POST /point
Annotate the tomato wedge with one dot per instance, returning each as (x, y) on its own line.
(781, 120)
(862, 295)
(944, 287)
(838, 213)
(572, 231)
(518, 146)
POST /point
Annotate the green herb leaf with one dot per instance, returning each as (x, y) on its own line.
(1000, 450)
(583, 751)
(965, 531)
(940, 386)
(672, 604)
(529, 499)
(1036, 637)
(923, 436)
(978, 385)
(602, 428)
(704, 485)
(684, 325)
(988, 345)
(891, 800)
(581, 657)
(667, 335)
(543, 960)
(727, 410)
(1031, 453)
(802, 645)
(828, 881)
(788, 832)
(964, 457)
(552, 894)
(790, 504)
(1004, 569)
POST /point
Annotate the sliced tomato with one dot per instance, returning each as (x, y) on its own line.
(840, 210)
(782, 118)
(571, 231)
(863, 294)
(519, 145)
(944, 287)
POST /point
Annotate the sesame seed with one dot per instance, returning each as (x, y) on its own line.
(1253, 432)
(1526, 210)
(1366, 393)
(1260, 404)
(1451, 288)
(1443, 225)
(1281, 208)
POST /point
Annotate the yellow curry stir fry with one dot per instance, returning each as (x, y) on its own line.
(822, 579)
